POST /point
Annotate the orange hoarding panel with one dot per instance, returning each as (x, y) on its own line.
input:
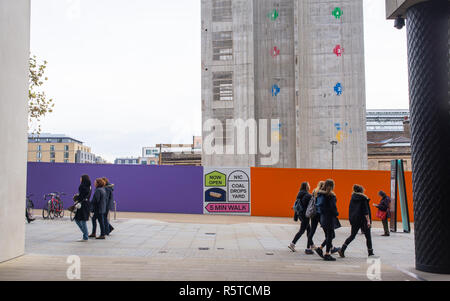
(273, 190)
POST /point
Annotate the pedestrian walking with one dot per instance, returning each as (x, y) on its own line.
(326, 207)
(359, 217)
(384, 212)
(98, 205)
(303, 199)
(314, 219)
(109, 188)
(82, 206)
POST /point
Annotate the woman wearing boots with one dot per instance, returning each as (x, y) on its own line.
(384, 206)
(303, 197)
(359, 218)
(326, 207)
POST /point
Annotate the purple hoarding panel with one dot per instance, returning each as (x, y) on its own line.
(158, 189)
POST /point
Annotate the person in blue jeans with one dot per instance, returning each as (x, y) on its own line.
(82, 206)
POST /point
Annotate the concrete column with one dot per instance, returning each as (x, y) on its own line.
(14, 54)
(428, 27)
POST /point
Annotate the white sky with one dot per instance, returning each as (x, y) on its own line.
(127, 73)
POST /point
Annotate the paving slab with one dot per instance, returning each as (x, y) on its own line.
(174, 247)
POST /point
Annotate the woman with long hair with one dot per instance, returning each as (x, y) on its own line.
(303, 199)
(359, 217)
(315, 219)
(82, 206)
(326, 207)
(99, 208)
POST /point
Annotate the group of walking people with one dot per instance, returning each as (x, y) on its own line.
(319, 207)
(101, 203)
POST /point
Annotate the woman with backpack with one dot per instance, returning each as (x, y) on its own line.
(301, 204)
(326, 207)
(314, 219)
(384, 211)
(359, 217)
(82, 206)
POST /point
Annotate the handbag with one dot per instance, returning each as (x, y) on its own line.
(72, 208)
(381, 214)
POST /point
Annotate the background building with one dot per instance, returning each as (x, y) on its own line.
(168, 154)
(58, 148)
(301, 62)
(389, 138)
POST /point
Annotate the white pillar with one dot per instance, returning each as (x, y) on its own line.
(14, 54)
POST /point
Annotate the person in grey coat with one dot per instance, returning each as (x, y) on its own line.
(98, 205)
(109, 188)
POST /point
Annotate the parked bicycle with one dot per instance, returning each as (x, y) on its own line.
(54, 207)
(29, 208)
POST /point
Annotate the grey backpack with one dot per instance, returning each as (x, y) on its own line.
(311, 210)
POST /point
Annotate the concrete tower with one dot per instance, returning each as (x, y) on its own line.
(297, 61)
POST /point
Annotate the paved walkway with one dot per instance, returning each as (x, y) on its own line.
(198, 247)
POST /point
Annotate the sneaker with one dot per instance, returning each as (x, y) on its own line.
(100, 237)
(319, 252)
(292, 247)
(341, 253)
(371, 253)
(92, 236)
(329, 258)
(309, 252)
(335, 250)
(111, 229)
(386, 234)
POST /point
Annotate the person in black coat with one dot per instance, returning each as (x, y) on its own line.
(327, 210)
(109, 188)
(359, 217)
(303, 198)
(98, 205)
(82, 206)
(384, 206)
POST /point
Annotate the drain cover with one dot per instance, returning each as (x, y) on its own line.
(203, 249)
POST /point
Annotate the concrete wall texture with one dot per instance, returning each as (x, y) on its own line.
(287, 58)
(14, 54)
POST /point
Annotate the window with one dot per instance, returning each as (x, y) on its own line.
(49, 140)
(66, 161)
(52, 161)
(66, 155)
(52, 148)
(39, 148)
(39, 155)
(60, 140)
(222, 11)
(222, 46)
(52, 155)
(66, 148)
(223, 86)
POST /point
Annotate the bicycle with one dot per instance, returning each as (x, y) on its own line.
(55, 207)
(29, 208)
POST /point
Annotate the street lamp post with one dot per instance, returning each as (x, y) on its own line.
(333, 143)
